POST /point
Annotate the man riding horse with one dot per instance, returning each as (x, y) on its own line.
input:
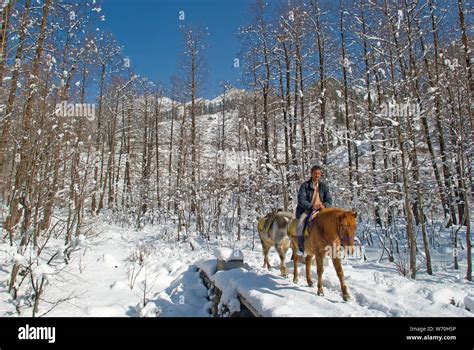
(313, 196)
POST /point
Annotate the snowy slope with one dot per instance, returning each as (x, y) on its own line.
(98, 281)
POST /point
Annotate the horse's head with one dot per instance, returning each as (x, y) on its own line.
(347, 230)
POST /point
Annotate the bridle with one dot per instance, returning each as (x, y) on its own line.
(344, 240)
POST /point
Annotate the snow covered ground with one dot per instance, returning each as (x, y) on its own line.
(123, 272)
(107, 275)
(374, 288)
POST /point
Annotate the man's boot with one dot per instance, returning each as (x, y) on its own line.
(300, 245)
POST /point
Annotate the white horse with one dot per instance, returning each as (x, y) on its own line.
(273, 232)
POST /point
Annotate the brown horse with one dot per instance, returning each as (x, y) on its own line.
(331, 228)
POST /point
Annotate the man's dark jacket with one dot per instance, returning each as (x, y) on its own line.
(305, 195)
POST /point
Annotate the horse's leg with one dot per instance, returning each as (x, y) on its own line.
(283, 268)
(295, 266)
(320, 269)
(340, 273)
(309, 258)
(266, 249)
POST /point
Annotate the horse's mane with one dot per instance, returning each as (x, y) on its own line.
(328, 220)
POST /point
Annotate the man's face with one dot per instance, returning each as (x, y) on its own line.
(316, 175)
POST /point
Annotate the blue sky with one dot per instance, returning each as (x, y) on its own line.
(149, 32)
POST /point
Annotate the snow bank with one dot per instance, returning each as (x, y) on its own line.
(223, 253)
(444, 296)
(228, 254)
(208, 266)
(469, 302)
(274, 296)
(376, 294)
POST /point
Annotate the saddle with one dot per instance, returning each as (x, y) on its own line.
(308, 221)
(292, 232)
(269, 218)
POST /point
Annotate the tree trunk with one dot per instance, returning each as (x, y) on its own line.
(6, 15)
(467, 52)
(346, 101)
(13, 88)
(370, 113)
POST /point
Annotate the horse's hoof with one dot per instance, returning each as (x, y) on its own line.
(310, 284)
(346, 297)
(320, 293)
(295, 280)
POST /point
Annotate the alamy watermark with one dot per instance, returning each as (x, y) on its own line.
(75, 110)
(37, 333)
(336, 251)
(405, 109)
